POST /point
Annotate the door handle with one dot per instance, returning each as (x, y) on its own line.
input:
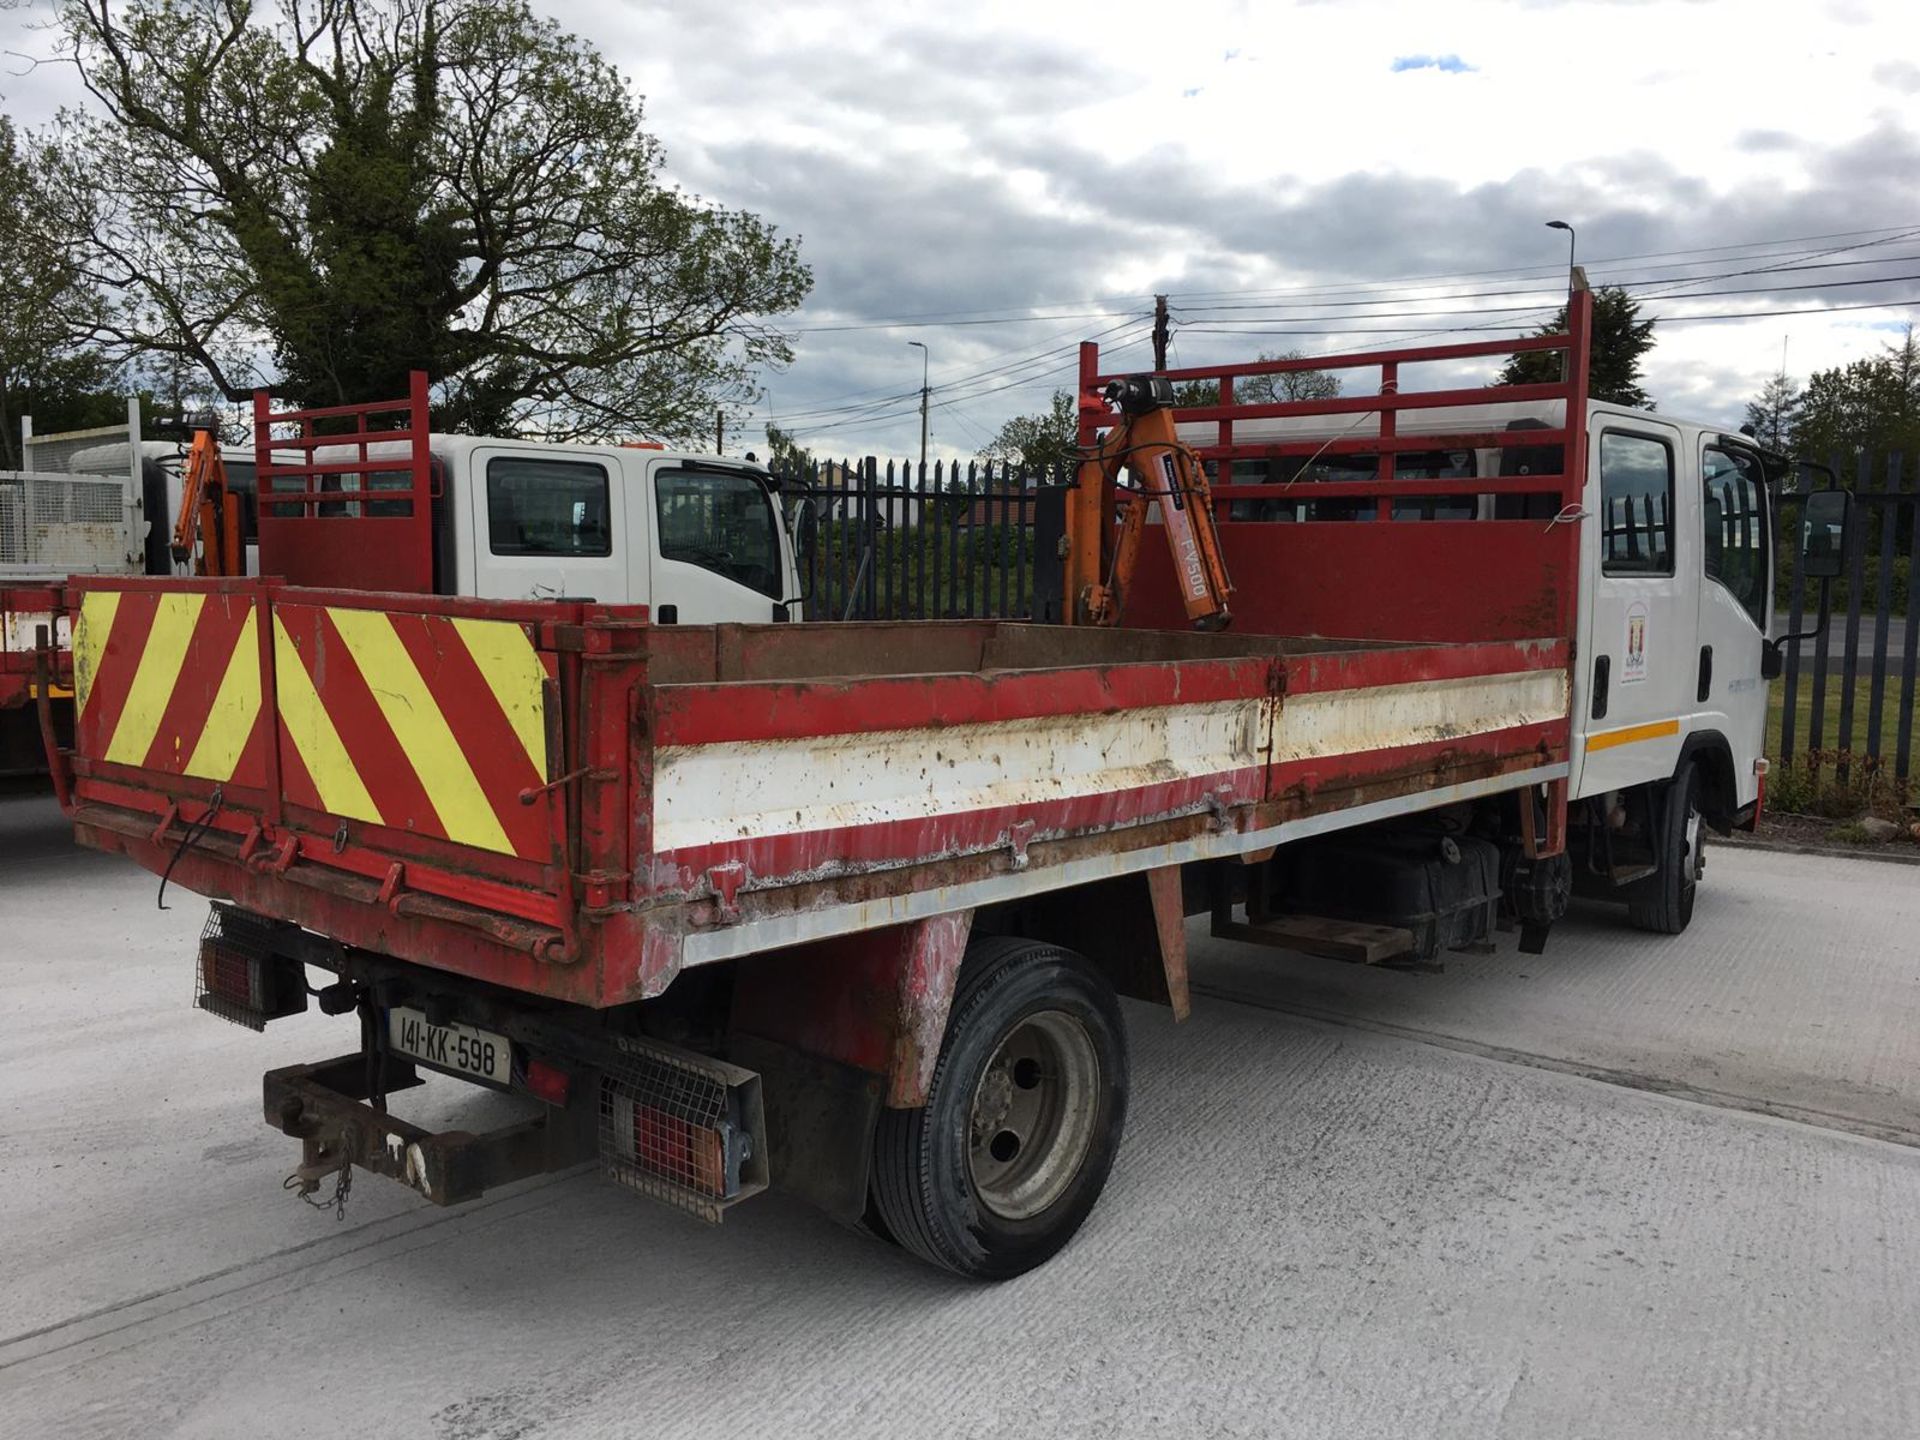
(1602, 666)
(1706, 673)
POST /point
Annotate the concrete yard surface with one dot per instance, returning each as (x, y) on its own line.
(1795, 991)
(1349, 1204)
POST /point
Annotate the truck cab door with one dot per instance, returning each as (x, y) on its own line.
(719, 551)
(1637, 648)
(1734, 604)
(547, 525)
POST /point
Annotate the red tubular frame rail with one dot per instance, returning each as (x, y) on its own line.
(318, 529)
(1426, 580)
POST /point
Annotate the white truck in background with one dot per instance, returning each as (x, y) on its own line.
(75, 508)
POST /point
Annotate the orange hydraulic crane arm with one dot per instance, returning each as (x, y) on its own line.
(1106, 521)
(209, 513)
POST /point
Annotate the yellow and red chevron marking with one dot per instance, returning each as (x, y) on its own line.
(170, 681)
(432, 724)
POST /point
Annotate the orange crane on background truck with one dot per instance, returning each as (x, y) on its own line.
(206, 532)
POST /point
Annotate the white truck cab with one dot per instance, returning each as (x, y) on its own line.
(697, 538)
(1676, 591)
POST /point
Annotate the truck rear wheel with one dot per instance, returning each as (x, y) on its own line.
(1005, 1160)
(1663, 902)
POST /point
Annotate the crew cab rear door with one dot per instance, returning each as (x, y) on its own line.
(549, 525)
(717, 552)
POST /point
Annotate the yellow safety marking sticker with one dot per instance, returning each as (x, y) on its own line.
(235, 705)
(1653, 730)
(514, 673)
(97, 609)
(311, 729)
(152, 688)
(464, 811)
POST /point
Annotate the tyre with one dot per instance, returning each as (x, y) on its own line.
(1005, 1160)
(1663, 902)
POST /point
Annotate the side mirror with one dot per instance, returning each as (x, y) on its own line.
(803, 525)
(1823, 533)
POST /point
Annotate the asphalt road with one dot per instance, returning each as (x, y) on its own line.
(1350, 1204)
(1837, 643)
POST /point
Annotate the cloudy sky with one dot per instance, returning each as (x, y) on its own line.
(1000, 180)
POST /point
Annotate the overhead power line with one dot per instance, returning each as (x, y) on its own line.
(1084, 308)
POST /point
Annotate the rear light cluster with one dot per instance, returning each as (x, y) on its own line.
(547, 1081)
(682, 1127)
(678, 1149)
(240, 978)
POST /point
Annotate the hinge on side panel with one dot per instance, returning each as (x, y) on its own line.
(725, 882)
(1018, 834)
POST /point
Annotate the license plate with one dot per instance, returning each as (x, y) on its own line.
(459, 1049)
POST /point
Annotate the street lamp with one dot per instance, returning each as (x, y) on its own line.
(1562, 225)
(924, 393)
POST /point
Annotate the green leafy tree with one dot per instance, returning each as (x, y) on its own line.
(786, 454)
(1620, 343)
(1771, 414)
(348, 190)
(1870, 406)
(1039, 442)
(43, 372)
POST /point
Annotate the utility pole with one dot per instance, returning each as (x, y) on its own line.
(926, 393)
(719, 432)
(1162, 332)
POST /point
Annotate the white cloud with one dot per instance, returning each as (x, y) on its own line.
(1033, 153)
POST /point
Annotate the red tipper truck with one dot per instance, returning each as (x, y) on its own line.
(839, 908)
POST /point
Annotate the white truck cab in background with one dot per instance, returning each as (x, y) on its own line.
(697, 538)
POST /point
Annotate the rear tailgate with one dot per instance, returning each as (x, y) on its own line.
(376, 767)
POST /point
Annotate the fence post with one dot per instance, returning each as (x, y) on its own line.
(1910, 650)
(1856, 582)
(1888, 505)
(1822, 648)
(870, 531)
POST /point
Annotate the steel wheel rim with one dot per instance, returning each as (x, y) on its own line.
(1031, 1122)
(1694, 857)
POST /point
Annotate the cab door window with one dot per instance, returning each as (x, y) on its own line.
(1734, 515)
(537, 506)
(1636, 505)
(723, 522)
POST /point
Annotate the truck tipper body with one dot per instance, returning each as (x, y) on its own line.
(845, 908)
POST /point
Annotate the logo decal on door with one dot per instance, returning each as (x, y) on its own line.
(1635, 670)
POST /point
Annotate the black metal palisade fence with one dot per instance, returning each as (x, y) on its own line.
(942, 542)
(1846, 697)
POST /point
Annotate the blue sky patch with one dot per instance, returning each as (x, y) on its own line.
(1451, 64)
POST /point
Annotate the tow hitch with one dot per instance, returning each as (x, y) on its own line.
(324, 1107)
